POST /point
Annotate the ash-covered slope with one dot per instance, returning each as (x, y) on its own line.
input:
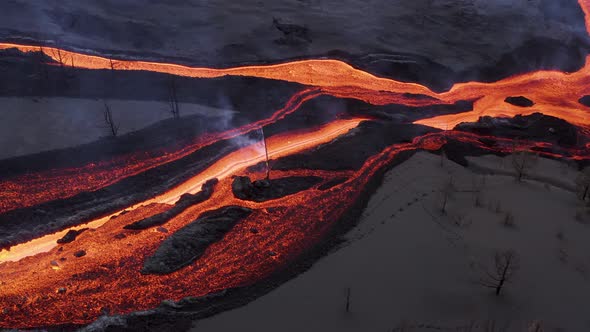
(435, 42)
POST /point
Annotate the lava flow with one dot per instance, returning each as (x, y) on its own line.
(32, 189)
(43, 284)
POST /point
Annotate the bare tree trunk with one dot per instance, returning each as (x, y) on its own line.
(348, 299)
(506, 265)
(174, 109)
(60, 58)
(502, 279)
(42, 66)
(108, 118)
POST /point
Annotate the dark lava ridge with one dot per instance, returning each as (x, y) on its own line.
(264, 190)
(537, 127)
(71, 235)
(185, 201)
(190, 242)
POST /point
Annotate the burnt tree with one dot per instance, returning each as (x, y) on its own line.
(446, 193)
(348, 293)
(506, 264)
(583, 185)
(109, 121)
(522, 163)
(173, 97)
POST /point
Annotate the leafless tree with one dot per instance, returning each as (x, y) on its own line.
(535, 327)
(109, 121)
(446, 193)
(41, 66)
(506, 264)
(583, 185)
(348, 293)
(174, 109)
(60, 58)
(523, 162)
(443, 157)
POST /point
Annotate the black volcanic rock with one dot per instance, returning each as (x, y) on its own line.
(183, 203)
(519, 101)
(189, 243)
(537, 126)
(406, 114)
(80, 253)
(350, 151)
(585, 100)
(71, 235)
(263, 190)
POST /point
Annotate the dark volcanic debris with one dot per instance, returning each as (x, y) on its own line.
(80, 253)
(519, 101)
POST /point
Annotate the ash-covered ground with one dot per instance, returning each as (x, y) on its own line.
(454, 39)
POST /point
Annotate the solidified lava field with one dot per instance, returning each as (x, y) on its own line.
(109, 227)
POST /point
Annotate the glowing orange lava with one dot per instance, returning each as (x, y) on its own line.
(108, 277)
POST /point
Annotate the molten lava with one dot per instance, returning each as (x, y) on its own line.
(42, 284)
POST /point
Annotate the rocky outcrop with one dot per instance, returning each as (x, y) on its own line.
(71, 235)
(190, 242)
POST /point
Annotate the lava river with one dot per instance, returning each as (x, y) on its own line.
(108, 278)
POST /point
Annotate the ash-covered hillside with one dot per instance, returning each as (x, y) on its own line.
(436, 42)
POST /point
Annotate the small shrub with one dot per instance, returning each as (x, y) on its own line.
(508, 220)
(498, 207)
(459, 220)
(560, 236)
(478, 201)
(563, 256)
(581, 216)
